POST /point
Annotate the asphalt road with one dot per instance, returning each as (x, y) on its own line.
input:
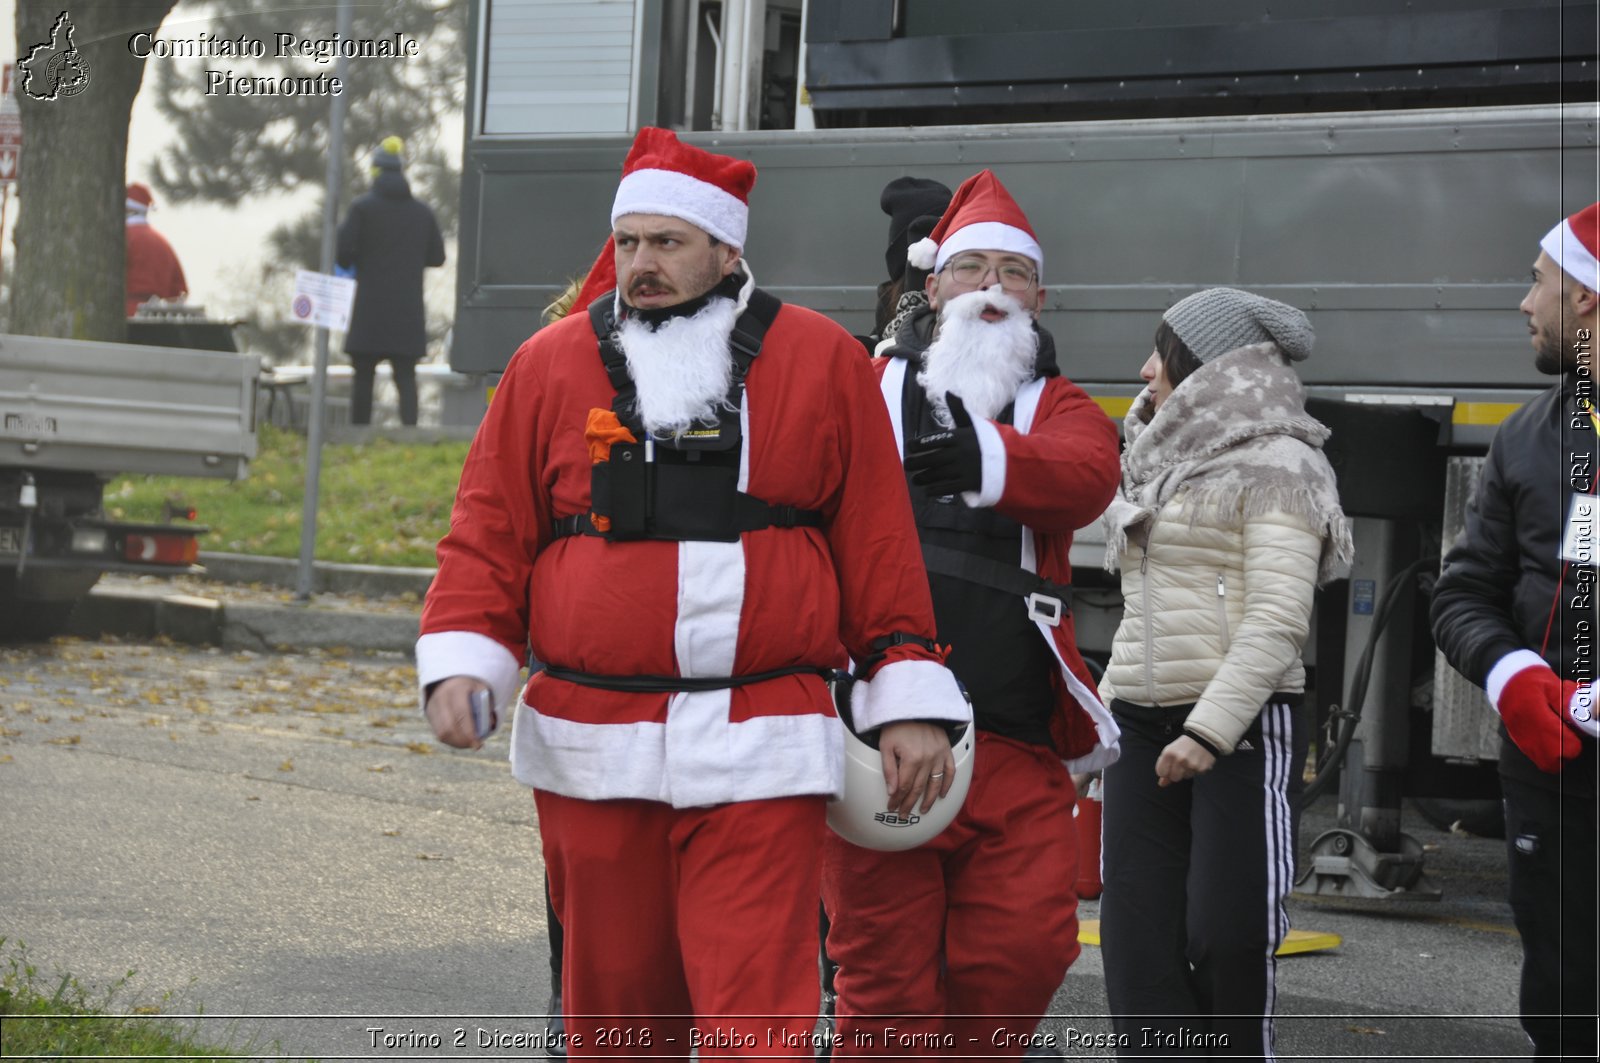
(273, 842)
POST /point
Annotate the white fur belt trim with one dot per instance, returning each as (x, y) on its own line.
(696, 758)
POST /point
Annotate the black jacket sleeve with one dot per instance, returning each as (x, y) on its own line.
(435, 242)
(1472, 602)
(347, 245)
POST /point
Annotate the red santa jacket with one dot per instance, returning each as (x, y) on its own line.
(1054, 470)
(152, 267)
(815, 437)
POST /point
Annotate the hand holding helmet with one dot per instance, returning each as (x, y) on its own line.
(904, 780)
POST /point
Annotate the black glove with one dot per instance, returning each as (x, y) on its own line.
(947, 461)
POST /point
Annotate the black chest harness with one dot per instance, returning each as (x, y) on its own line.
(683, 488)
(1048, 602)
(680, 487)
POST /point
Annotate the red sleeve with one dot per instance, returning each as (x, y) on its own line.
(882, 582)
(501, 519)
(1061, 475)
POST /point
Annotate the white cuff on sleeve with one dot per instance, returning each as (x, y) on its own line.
(443, 654)
(908, 690)
(1505, 669)
(992, 447)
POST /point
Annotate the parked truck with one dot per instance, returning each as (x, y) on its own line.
(74, 415)
(1388, 168)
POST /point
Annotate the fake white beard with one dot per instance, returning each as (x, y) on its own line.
(682, 369)
(984, 362)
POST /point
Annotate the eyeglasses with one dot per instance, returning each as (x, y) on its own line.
(1014, 276)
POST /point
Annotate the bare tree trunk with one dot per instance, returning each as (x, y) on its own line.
(70, 260)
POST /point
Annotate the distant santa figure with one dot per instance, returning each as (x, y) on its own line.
(152, 266)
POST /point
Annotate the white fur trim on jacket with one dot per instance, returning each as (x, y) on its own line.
(696, 758)
(1107, 733)
(1506, 669)
(677, 195)
(444, 654)
(908, 690)
(992, 449)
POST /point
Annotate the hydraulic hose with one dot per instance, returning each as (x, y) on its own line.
(1350, 718)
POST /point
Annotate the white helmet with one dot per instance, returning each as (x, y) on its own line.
(862, 815)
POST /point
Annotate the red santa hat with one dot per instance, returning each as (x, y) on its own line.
(663, 175)
(1574, 245)
(601, 278)
(982, 216)
(138, 197)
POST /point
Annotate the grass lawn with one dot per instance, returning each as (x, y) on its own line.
(381, 503)
(58, 1017)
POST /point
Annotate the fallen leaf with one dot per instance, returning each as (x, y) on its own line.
(287, 765)
(422, 748)
(381, 768)
(1365, 1030)
(391, 833)
(65, 740)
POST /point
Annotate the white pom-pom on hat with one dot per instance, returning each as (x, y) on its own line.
(920, 255)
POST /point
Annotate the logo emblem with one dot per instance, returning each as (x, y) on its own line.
(894, 819)
(55, 69)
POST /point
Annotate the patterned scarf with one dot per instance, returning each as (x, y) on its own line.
(1233, 441)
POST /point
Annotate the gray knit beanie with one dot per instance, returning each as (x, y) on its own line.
(386, 156)
(1219, 320)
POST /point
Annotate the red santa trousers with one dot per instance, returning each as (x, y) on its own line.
(959, 945)
(686, 928)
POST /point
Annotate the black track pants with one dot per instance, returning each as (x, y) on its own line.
(1553, 866)
(1195, 878)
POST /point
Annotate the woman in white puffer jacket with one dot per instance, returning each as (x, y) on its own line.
(1227, 520)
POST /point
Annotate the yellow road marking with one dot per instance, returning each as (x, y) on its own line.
(1298, 940)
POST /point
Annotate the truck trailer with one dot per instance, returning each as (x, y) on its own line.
(1388, 172)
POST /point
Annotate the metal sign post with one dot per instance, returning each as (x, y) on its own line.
(319, 377)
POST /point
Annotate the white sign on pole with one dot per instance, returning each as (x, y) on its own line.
(323, 299)
(10, 129)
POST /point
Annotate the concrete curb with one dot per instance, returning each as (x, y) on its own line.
(371, 580)
(263, 628)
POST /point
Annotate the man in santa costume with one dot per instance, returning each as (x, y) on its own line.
(685, 498)
(152, 266)
(971, 933)
(1516, 611)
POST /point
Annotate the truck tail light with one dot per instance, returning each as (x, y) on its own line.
(161, 548)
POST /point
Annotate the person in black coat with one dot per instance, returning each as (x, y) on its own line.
(1517, 611)
(388, 239)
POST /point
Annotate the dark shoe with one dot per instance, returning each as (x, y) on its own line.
(830, 1025)
(555, 1029)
